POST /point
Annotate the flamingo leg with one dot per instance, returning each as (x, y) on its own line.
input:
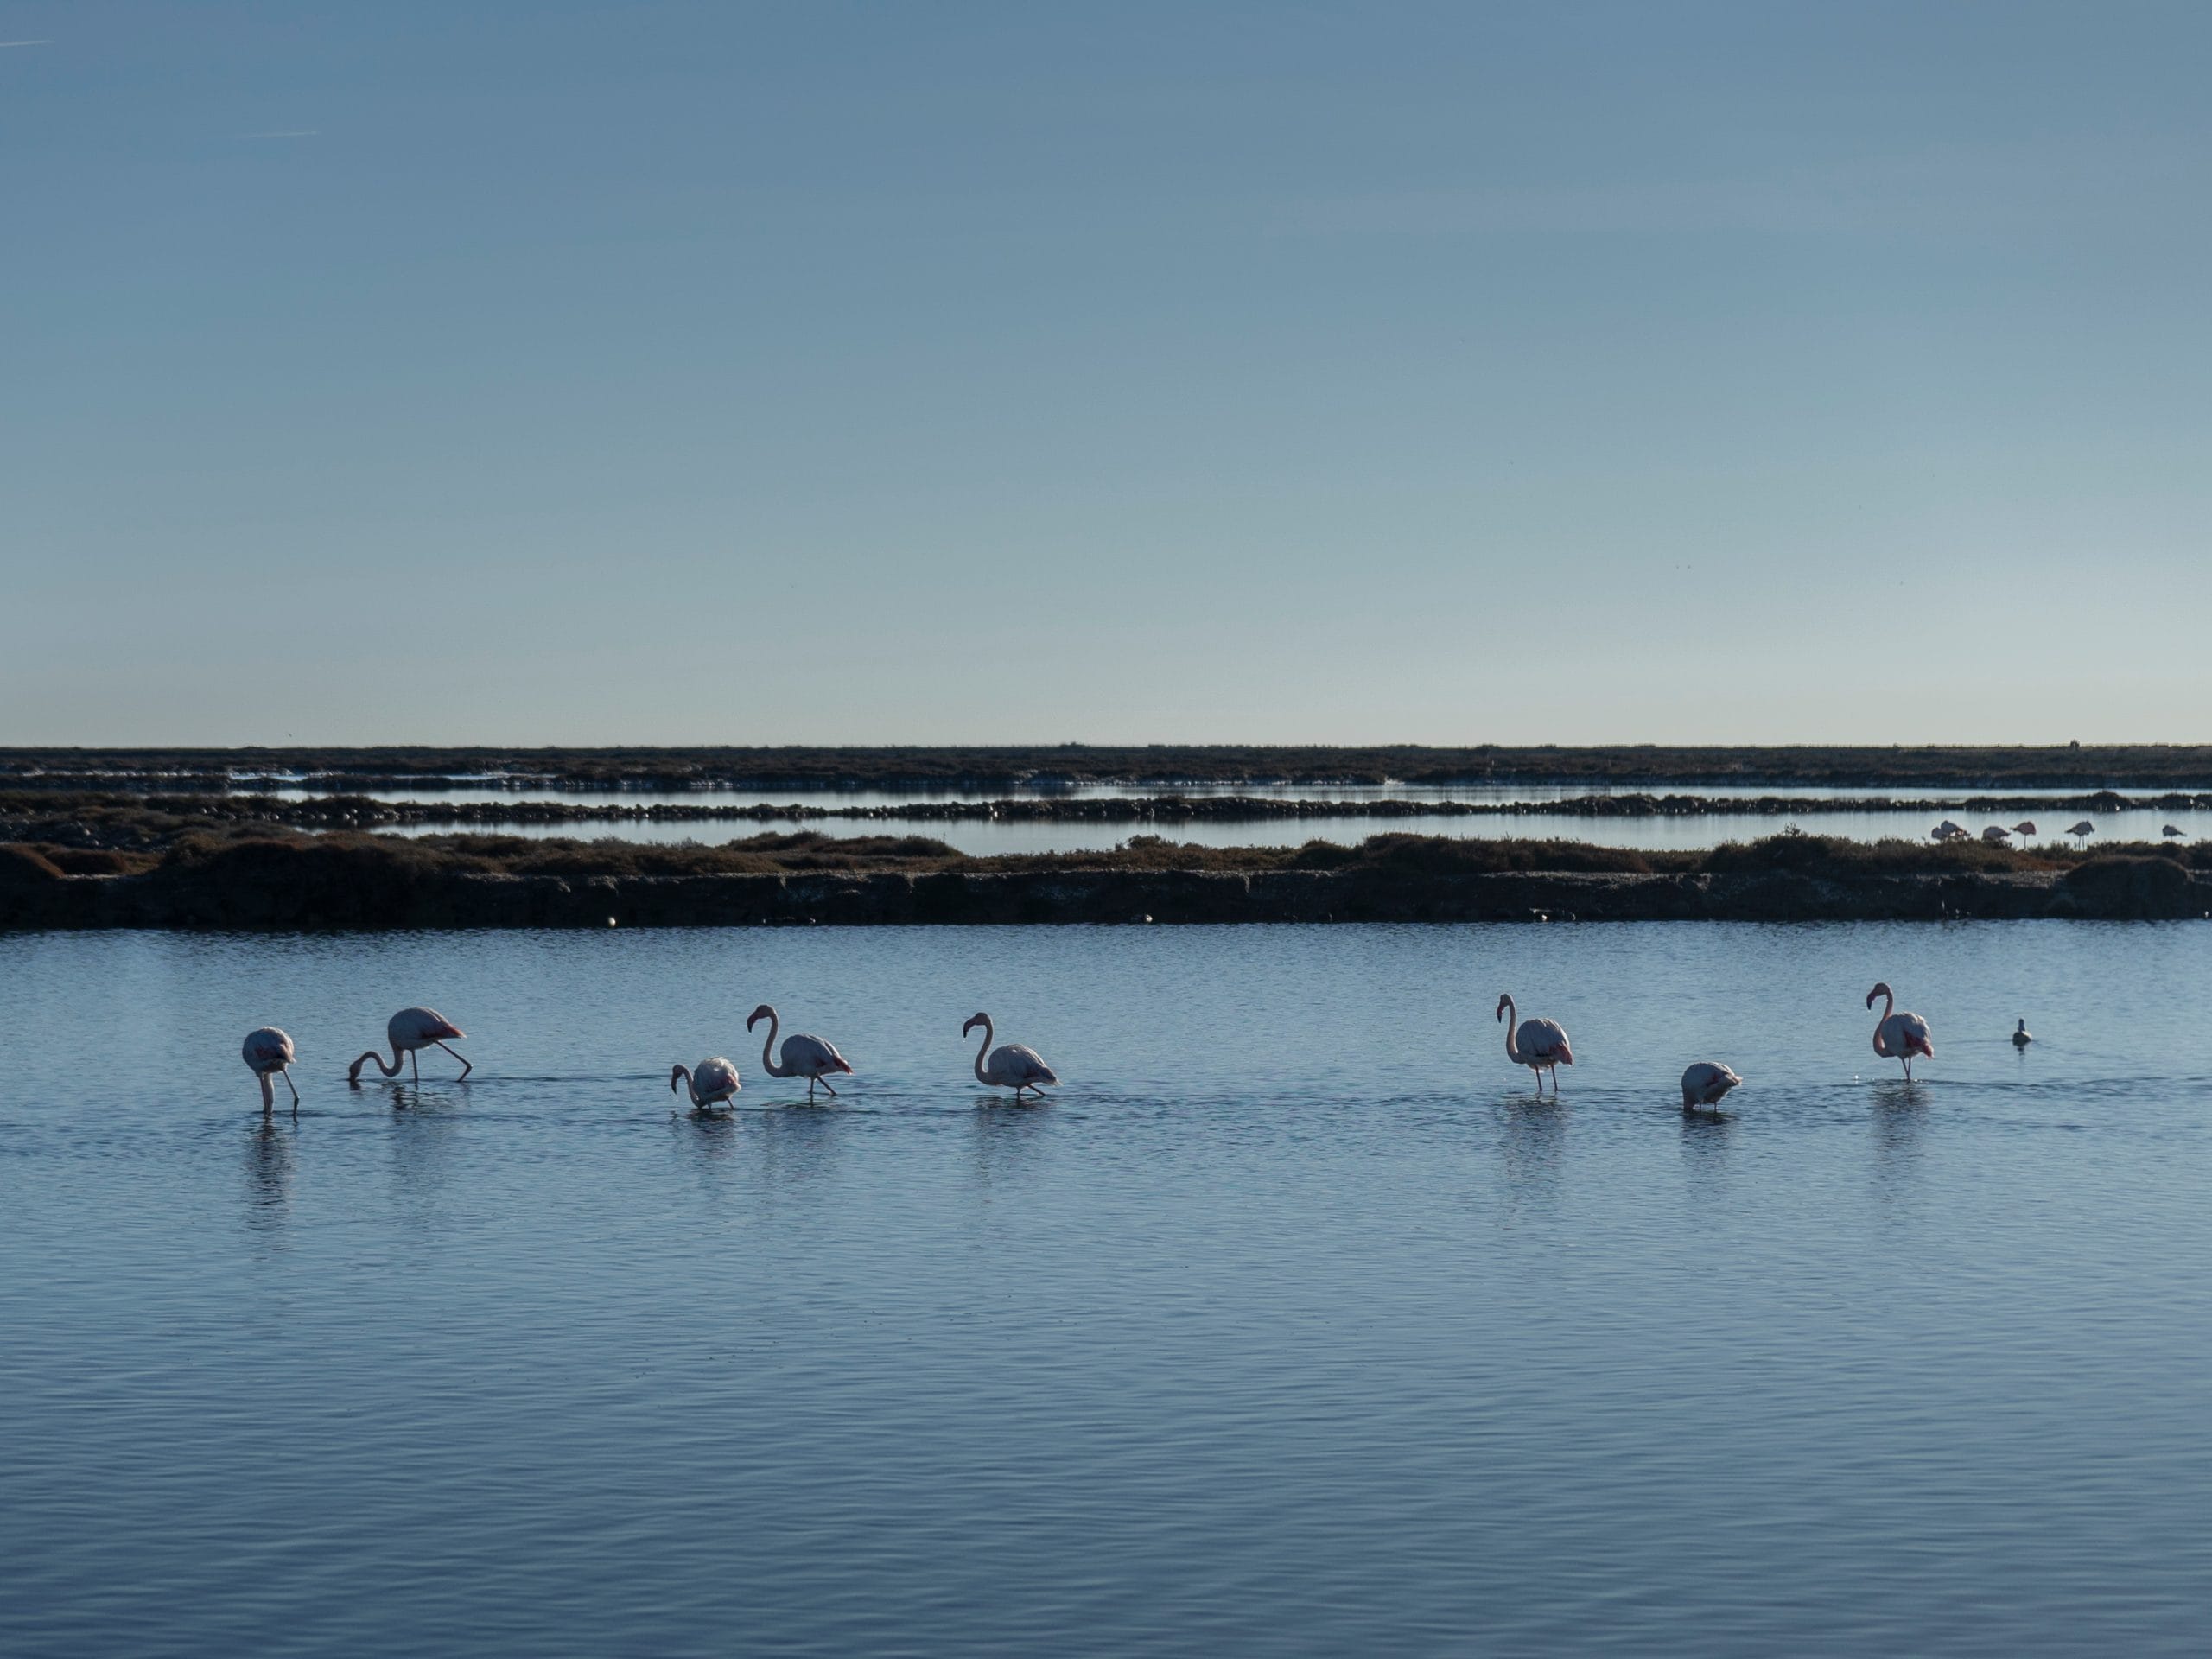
(416, 1064)
(466, 1068)
(295, 1087)
(268, 1094)
(825, 1084)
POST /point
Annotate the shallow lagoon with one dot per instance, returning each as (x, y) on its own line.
(1292, 1323)
(990, 838)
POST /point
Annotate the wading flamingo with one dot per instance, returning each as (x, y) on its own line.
(804, 1056)
(2082, 832)
(711, 1083)
(1540, 1045)
(1704, 1083)
(1997, 834)
(1011, 1067)
(1899, 1036)
(268, 1054)
(2021, 1035)
(2024, 827)
(410, 1031)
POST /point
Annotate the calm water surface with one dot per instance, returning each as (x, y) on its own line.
(986, 837)
(1293, 1323)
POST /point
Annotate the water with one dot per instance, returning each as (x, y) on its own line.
(1293, 1325)
(988, 837)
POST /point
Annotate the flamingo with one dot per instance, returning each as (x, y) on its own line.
(1997, 834)
(1899, 1036)
(411, 1030)
(2082, 831)
(711, 1082)
(2021, 1036)
(2024, 827)
(1536, 1044)
(268, 1054)
(1704, 1083)
(1011, 1065)
(804, 1056)
(2173, 832)
(1947, 831)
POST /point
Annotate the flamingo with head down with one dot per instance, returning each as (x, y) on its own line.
(268, 1054)
(711, 1083)
(1540, 1045)
(1705, 1083)
(804, 1056)
(1899, 1036)
(410, 1031)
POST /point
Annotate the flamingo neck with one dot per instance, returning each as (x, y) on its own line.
(1889, 1002)
(767, 1061)
(981, 1051)
(1512, 1022)
(392, 1071)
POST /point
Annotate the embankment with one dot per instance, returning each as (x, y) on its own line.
(308, 885)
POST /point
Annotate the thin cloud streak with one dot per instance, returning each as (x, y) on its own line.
(7, 45)
(286, 132)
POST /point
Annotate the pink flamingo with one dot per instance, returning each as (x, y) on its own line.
(1540, 1045)
(1011, 1065)
(804, 1056)
(410, 1031)
(711, 1083)
(1706, 1083)
(268, 1054)
(1899, 1036)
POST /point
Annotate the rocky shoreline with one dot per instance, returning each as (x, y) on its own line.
(300, 891)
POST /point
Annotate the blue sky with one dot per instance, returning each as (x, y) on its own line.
(679, 372)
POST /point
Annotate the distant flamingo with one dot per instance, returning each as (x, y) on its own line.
(1704, 1083)
(2024, 827)
(1540, 1045)
(1947, 831)
(1899, 1036)
(1010, 1067)
(2082, 831)
(2173, 832)
(804, 1056)
(410, 1031)
(711, 1083)
(2021, 1036)
(1997, 834)
(268, 1054)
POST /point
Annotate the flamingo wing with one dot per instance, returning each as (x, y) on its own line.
(1707, 1081)
(1544, 1040)
(267, 1049)
(1017, 1064)
(715, 1079)
(1902, 1034)
(419, 1028)
(810, 1056)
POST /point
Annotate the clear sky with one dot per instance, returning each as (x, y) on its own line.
(701, 372)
